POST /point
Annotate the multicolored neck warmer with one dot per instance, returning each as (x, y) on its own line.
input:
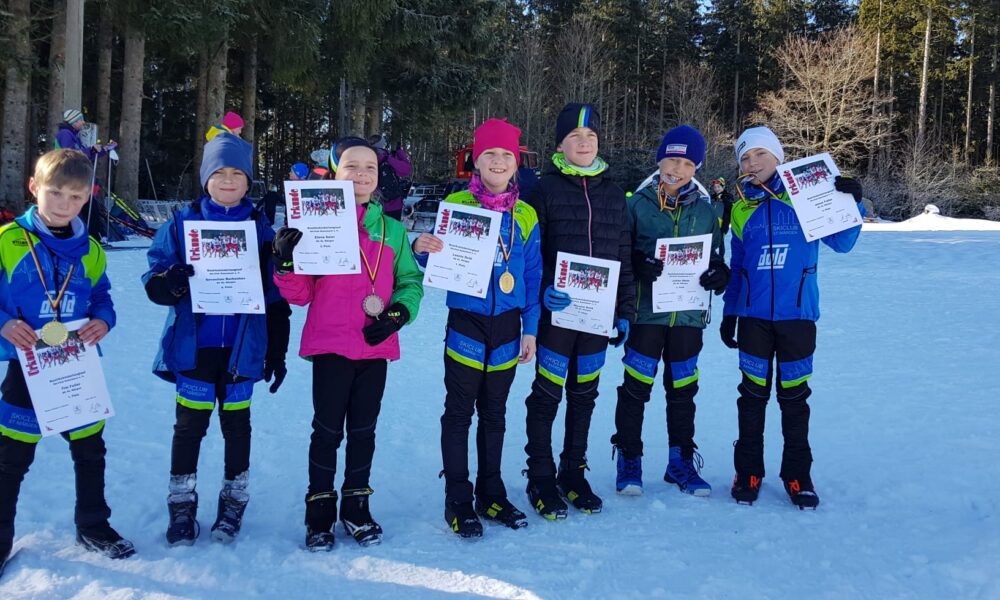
(501, 202)
(757, 193)
(567, 168)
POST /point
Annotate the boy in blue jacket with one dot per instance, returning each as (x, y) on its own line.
(773, 300)
(214, 357)
(51, 270)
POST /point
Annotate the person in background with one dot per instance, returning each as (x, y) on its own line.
(394, 170)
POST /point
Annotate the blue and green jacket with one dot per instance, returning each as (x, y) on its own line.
(774, 268)
(525, 266)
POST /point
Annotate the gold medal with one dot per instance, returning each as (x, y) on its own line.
(506, 282)
(373, 305)
(54, 333)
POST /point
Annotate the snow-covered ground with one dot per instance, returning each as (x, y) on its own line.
(932, 220)
(905, 431)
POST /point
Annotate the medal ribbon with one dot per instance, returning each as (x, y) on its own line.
(749, 178)
(41, 275)
(503, 249)
(378, 260)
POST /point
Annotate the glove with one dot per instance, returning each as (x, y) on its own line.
(278, 330)
(555, 300)
(647, 269)
(716, 278)
(622, 327)
(282, 248)
(848, 185)
(177, 279)
(389, 322)
(728, 331)
(278, 370)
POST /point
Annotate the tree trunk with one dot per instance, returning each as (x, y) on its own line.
(57, 70)
(17, 81)
(968, 94)
(993, 94)
(373, 116)
(105, 48)
(342, 121)
(215, 92)
(875, 104)
(127, 183)
(200, 120)
(358, 111)
(922, 114)
(736, 87)
(249, 108)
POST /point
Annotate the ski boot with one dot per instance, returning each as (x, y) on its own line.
(745, 489)
(462, 519)
(501, 511)
(321, 512)
(357, 519)
(574, 487)
(544, 497)
(629, 479)
(684, 472)
(802, 493)
(232, 502)
(182, 503)
(103, 539)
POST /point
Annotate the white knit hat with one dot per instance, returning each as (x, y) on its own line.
(72, 116)
(759, 137)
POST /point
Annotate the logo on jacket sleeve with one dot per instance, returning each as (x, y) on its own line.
(773, 257)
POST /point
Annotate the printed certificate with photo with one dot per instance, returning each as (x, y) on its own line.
(324, 211)
(66, 383)
(821, 209)
(226, 267)
(684, 260)
(465, 265)
(592, 284)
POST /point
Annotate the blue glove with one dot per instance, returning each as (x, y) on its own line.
(622, 336)
(554, 300)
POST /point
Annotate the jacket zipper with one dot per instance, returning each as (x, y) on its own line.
(677, 231)
(236, 359)
(802, 284)
(746, 277)
(590, 217)
(770, 262)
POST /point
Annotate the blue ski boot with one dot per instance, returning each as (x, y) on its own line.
(629, 479)
(684, 472)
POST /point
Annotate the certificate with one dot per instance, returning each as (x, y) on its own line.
(592, 284)
(227, 277)
(684, 260)
(66, 383)
(821, 209)
(465, 265)
(324, 211)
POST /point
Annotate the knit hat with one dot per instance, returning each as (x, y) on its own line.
(683, 141)
(759, 137)
(72, 116)
(226, 150)
(301, 170)
(575, 115)
(341, 146)
(232, 121)
(496, 133)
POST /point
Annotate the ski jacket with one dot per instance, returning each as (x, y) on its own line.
(21, 293)
(525, 265)
(336, 318)
(185, 331)
(69, 138)
(586, 216)
(774, 268)
(647, 222)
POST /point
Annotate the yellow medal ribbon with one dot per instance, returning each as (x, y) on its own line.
(506, 281)
(373, 303)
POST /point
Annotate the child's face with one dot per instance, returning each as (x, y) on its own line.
(676, 172)
(760, 163)
(496, 166)
(359, 165)
(227, 186)
(58, 205)
(580, 146)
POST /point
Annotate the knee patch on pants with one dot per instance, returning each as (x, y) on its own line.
(552, 365)
(588, 366)
(684, 372)
(639, 366)
(796, 372)
(201, 395)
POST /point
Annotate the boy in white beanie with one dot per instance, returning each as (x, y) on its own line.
(773, 301)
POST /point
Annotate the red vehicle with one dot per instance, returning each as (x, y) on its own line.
(463, 161)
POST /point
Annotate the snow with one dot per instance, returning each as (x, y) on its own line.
(932, 220)
(905, 432)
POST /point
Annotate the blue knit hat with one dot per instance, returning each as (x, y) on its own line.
(226, 150)
(683, 141)
(575, 115)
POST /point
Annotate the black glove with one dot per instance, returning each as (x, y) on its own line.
(646, 268)
(716, 278)
(389, 322)
(728, 331)
(278, 330)
(848, 185)
(177, 279)
(282, 248)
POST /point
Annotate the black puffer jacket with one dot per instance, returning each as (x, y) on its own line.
(587, 216)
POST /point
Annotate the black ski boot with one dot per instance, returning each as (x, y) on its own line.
(103, 539)
(574, 487)
(802, 493)
(501, 511)
(232, 502)
(357, 519)
(746, 488)
(462, 519)
(321, 512)
(182, 503)
(544, 497)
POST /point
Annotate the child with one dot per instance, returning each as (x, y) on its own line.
(51, 271)
(214, 357)
(231, 123)
(773, 299)
(488, 337)
(673, 207)
(581, 212)
(350, 335)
